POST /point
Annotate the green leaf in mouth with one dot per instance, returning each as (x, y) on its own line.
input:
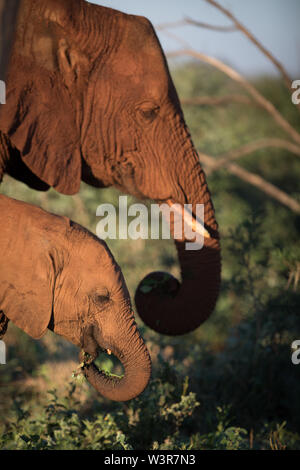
(145, 289)
(109, 374)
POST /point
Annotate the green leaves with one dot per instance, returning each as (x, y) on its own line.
(159, 285)
(149, 284)
(145, 289)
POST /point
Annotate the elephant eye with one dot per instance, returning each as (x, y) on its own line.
(101, 298)
(149, 114)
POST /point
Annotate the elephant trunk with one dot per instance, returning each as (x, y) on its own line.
(167, 306)
(134, 357)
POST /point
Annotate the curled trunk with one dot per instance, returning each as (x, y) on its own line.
(134, 357)
(174, 308)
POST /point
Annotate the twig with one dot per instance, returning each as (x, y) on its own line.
(217, 100)
(253, 39)
(222, 29)
(251, 147)
(173, 24)
(254, 180)
(234, 75)
(181, 41)
(190, 21)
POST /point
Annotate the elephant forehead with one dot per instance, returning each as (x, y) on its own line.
(140, 59)
(94, 252)
(143, 74)
(95, 263)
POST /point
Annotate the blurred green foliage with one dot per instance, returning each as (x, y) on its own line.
(230, 384)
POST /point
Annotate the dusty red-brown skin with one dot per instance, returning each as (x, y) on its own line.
(90, 98)
(55, 274)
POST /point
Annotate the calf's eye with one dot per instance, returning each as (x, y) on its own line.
(102, 298)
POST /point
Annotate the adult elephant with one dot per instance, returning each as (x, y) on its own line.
(90, 97)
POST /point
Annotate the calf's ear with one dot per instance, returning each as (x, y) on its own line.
(26, 296)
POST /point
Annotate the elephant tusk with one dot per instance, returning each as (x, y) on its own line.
(196, 226)
(108, 352)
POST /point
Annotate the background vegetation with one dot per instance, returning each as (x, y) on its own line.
(230, 384)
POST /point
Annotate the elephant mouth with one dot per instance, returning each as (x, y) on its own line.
(88, 361)
(132, 355)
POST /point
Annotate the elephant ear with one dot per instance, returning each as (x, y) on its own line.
(28, 265)
(43, 107)
(27, 300)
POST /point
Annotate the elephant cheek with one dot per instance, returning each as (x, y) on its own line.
(88, 341)
(69, 330)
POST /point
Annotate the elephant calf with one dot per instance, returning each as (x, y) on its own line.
(57, 275)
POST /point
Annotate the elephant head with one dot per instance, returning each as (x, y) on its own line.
(90, 97)
(97, 316)
(59, 276)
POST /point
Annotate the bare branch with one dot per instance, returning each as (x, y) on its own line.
(217, 100)
(228, 157)
(174, 24)
(222, 29)
(254, 180)
(234, 75)
(225, 160)
(190, 21)
(177, 38)
(254, 40)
